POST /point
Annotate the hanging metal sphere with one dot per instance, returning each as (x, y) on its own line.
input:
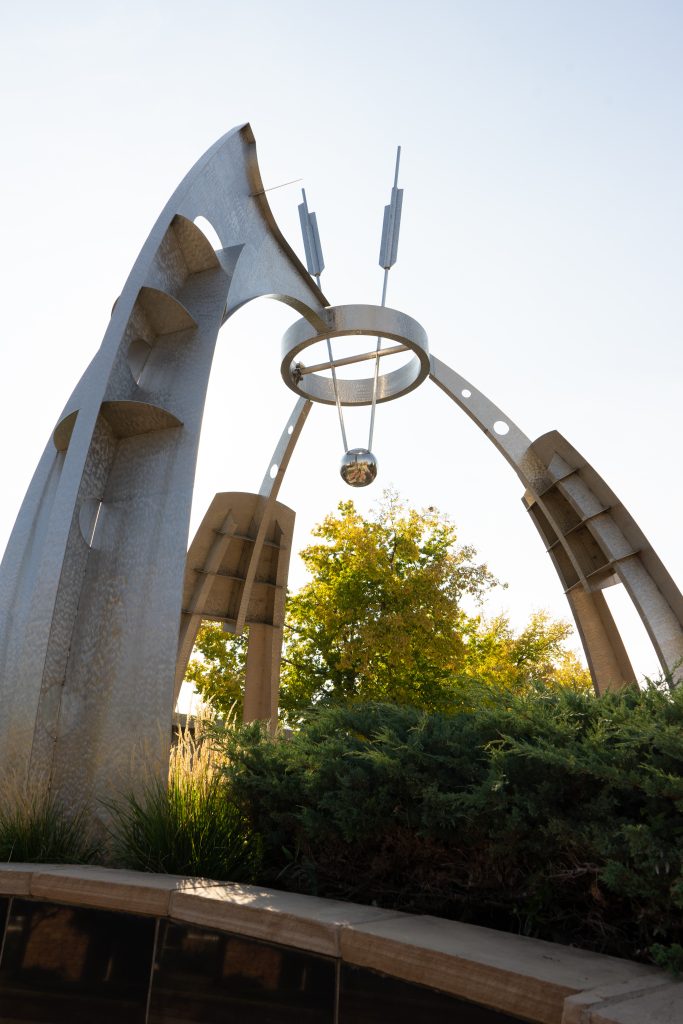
(358, 467)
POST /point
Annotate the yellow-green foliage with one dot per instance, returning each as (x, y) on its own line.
(387, 615)
(217, 668)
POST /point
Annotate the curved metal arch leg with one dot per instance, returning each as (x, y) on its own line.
(91, 583)
(592, 540)
(262, 516)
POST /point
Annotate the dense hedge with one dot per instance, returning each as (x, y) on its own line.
(554, 814)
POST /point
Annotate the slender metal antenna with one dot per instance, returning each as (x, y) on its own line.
(388, 252)
(316, 265)
(272, 188)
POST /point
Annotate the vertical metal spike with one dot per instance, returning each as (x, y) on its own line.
(316, 265)
(312, 247)
(388, 251)
(392, 222)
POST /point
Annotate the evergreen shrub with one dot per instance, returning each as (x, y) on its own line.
(551, 813)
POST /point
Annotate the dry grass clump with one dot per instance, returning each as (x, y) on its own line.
(193, 754)
(189, 825)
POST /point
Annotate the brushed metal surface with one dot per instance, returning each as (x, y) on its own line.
(89, 632)
(341, 321)
(591, 539)
(236, 573)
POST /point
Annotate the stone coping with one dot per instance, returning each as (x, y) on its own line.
(541, 982)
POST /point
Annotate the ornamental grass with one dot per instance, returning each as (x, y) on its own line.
(187, 825)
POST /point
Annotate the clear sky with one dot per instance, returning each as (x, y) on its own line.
(541, 243)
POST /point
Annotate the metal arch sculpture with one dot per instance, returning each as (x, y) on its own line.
(592, 540)
(92, 582)
(92, 579)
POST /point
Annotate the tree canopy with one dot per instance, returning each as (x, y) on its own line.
(392, 612)
(218, 666)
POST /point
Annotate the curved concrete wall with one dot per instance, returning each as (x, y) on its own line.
(513, 977)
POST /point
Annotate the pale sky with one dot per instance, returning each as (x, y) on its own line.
(541, 244)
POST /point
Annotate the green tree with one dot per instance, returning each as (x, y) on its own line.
(217, 668)
(383, 618)
(538, 654)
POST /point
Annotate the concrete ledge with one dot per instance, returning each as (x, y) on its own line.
(133, 892)
(15, 879)
(521, 976)
(661, 1004)
(579, 1009)
(287, 918)
(537, 981)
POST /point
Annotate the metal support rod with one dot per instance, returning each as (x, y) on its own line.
(348, 360)
(336, 390)
(376, 377)
(392, 243)
(316, 265)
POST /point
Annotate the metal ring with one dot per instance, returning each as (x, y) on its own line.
(374, 321)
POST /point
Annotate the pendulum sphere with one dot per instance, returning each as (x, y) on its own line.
(358, 467)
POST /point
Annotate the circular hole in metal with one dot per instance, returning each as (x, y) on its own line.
(501, 427)
(466, 393)
(209, 232)
(290, 429)
(273, 471)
